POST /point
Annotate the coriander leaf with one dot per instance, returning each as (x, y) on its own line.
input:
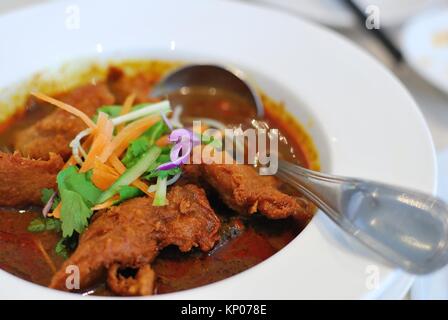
(66, 245)
(56, 202)
(112, 111)
(61, 249)
(163, 173)
(62, 175)
(44, 224)
(74, 213)
(163, 158)
(153, 166)
(170, 172)
(53, 224)
(46, 195)
(140, 145)
(152, 171)
(89, 175)
(80, 184)
(78, 194)
(128, 192)
(155, 132)
(37, 225)
(70, 179)
(135, 150)
(166, 149)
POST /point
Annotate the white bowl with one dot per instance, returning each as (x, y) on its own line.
(364, 122)
(336, 14)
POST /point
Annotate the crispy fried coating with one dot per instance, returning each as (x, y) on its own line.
(142, 284)
(122, 86)
(54, 132)
(22, 179)
(246, 192)
(132, 234)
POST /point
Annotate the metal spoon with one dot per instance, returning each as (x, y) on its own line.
(406, 227)
(209, 76)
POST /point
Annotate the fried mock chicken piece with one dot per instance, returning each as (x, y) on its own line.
(22, 179)
(132, 234)
(142, 284)
(192, 174)
(54, 132)
(246, 192)
(122, 86)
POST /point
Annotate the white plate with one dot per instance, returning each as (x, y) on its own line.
(363, 120)
(425, 46)
(335, 14)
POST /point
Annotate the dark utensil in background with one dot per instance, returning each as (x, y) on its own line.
(379, 34)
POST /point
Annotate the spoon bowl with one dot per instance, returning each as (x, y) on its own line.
(210, 76)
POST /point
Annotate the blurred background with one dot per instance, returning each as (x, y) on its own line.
(410, 38)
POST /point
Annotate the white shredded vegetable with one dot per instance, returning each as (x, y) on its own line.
(174, 179)
(175, 119)
(76, 145)
(153, 108)
(83, 152)
(152, 188)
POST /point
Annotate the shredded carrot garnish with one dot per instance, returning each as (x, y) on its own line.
(103, 176)
(105, 168)
(103, 180)
(143, 187)
(127, 107)
(105, 147)
(72, 161)
(117, 164)
(131, 132)
(57, 211)
(66, 107)
(103, 137)
(121, 168)
(109, 203)
(163, 141)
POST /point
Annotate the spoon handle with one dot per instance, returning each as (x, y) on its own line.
(406, 227)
